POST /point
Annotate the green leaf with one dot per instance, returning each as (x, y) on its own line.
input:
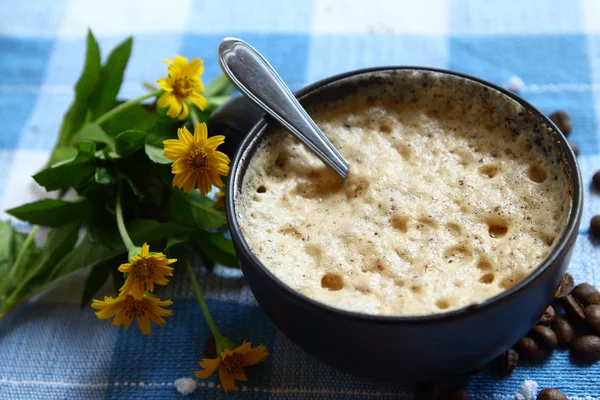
(173, 241)
(129, 141)
(149, 230)
(217, 101)
(11, 243)
(62, 153)
(93, 132)
(156, 154)
(134, 117)
(84, 88)
(216, 247)
(50, 212)
(83, 255)
(163, 129)
(7, 247)
(195, 210)
(220, 86)
(59, 243)
(145, 178)
(70, 173)
(205, 215)
(111, 77)
(97, 277)
(104, 176)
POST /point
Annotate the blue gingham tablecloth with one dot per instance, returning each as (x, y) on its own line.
(53, 349)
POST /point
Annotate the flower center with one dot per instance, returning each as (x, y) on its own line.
(233, 364)
(199, 161)
(143, 268)
(135, 308)
(183, 86)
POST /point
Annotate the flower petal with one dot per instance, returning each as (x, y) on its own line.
(125, 267)
(144, 325)
(209, 365)
(198, 101)
(133, 287)
(255, 355)
(200, 133)
(185, 136)
(203, 185)
(180, 179)
(166, 99)
(185, 112)
(221, 157)
(174, 149)
(240, 376)
(180, 165)
(188, 186)
(226, 380)
(145, 251)
(175, 107)
(181, 61)
(214, 141)
(165, 84)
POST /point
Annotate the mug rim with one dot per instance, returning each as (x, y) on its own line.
(568, 235)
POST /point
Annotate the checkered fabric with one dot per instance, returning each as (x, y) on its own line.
(53, 349)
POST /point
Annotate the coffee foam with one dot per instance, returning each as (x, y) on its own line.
(455, 193)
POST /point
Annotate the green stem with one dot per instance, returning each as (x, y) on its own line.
(131, 248)
(194, 116)
(123, 106)
(21, 255)
(221, 341)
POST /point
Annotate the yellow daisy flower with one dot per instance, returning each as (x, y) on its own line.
(182, 83)
(220, 200)
(125, 308)
(231, 363)
(197, 161)
(146, 270)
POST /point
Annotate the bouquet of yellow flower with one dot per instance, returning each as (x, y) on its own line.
(137, 176)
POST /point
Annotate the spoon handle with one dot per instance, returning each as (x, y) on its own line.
(257, 80)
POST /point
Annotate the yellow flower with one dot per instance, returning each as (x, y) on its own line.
(220, 200)
(197, 161)
(125, 308)
(231, 364)
(144, 271)
(182, 83)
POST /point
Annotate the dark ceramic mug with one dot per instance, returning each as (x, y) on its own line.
(407, 348)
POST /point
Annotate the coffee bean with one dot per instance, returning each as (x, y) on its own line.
(507, 362)
(595, 225)
(427, 391)
(529, 349)
(548, 316)
(551, 394)
(562, 120)
(564, 331)
(596, 180)
(566, 285)
(574, 147)
(592, 317)
(210, 348)
(586, 348)
(586, 294)
(573, 308)
(457, 394)
(544, 335)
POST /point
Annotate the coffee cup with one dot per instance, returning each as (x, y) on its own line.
(401, 347)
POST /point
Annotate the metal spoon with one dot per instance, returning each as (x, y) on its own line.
(257, 80)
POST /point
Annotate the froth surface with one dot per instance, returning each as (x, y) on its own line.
(455, 193)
